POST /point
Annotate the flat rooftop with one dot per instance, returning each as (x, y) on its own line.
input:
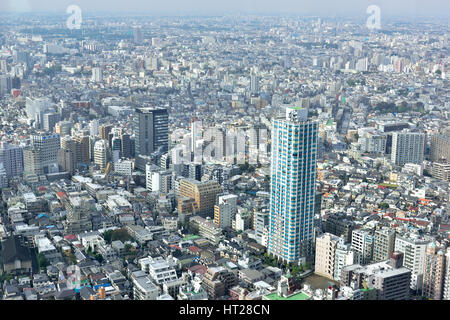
(295, 296)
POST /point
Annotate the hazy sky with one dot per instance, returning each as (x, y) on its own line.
(311, 7)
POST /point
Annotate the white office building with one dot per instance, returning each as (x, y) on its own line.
(362, 245)
(124, 167)
(100, 154)
(36, 108)
(97, 74)
(145, 289)
(446, 295)
(413, 250)
(343, 257)
(225, 211)
(160, 270)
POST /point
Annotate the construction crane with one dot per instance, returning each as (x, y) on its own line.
(108, 168)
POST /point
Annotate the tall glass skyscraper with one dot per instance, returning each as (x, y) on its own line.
(292, 194)
(152, 130)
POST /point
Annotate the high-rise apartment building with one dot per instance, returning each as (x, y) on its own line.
(440, 148)
(195, 171)
(3, 177)
(343, 256)
(373, 143)
(384, 243)
(389, 278)
(42, 156)
(5, 84)
(217, 282)
(125, 145)
(433, 272)
(325, 255)
(49, 121)
(260, 225)
(339, 225)
(225, 211)
(138, 35)
(69, 143)
(254, 83)
(157, 179)
(204, 194)
(441, 171)
(36, 108)
(94, 127)
(12, 158)
(362, 245)
(446, 295)
(104, 131)
(97, 74)
(100, 154)
(32, 161)
(196, 133)
(66, 161)
(82, 149)
(293, 178)
(407, 147)
(152, 177)
(79, 210)
(165, 161)
(64, 128)
(413, 250)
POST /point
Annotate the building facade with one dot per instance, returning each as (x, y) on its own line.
(325, 255)
(204, 194)
(151, 127)
(413, 250)
(293, 177)
(433, 272)
(384, 243)
(407, 147)
(12, 158)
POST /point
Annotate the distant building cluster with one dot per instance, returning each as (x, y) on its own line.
(181, 159)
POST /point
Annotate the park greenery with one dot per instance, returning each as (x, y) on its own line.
(119, 234)
(295, 269)
(247, 168)
(42, 262)
(390, 107)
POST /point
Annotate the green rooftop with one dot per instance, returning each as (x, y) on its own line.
(296, 108)
(295, 296)
(388, 185)
(191, 237)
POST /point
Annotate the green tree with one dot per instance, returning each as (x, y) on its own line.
(42, 262)
(119, 234)
(244, 167)
(99, 257)
(107, 235)
(72, 258)
(193, 227)
(384, 205)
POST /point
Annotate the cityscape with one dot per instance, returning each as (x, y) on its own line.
(229, 156)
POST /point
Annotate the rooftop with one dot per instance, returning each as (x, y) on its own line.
(295, 296)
